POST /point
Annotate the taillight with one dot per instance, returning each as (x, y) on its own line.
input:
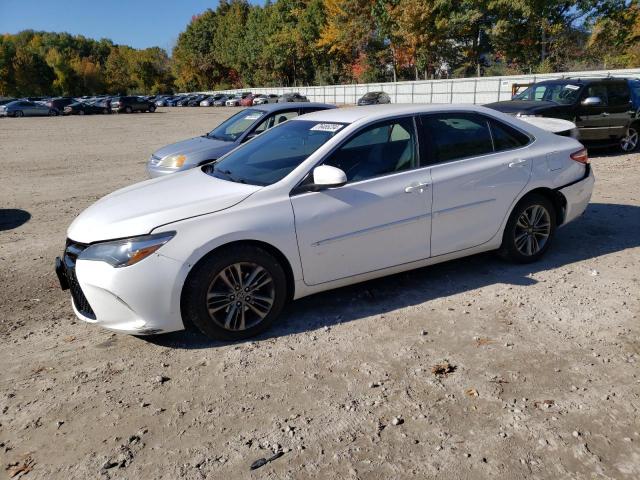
(580, 156)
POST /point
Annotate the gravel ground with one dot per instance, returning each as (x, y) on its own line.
(473, 369)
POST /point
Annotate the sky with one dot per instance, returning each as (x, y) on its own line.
(137, 23)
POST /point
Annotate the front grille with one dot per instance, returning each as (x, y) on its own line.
(71, 253)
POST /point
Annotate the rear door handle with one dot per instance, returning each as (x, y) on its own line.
(418, 187)
(517, 163)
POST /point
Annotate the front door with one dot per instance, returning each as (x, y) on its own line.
(593, 121)
(379, 219)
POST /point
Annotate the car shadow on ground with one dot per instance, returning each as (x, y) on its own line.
(11, 218)
(603, 229)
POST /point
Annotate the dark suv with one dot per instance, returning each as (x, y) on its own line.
(132, 104)
(602, 108)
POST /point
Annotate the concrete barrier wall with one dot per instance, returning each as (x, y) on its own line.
(460, 90)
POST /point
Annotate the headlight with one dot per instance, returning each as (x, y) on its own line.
(173, 161)
(125, 252)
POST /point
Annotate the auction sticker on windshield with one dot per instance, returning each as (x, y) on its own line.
(327, 127)
(572, 87)
(253, 116)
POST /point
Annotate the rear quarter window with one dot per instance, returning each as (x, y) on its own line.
(506, 137)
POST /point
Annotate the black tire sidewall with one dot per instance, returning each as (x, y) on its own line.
(508, 249)
(194, 309)
(128, 110)
(152, 109)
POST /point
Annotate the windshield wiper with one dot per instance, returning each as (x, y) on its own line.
(215, 137)
(228, 174)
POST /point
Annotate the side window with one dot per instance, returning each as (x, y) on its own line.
(275, 119)
(506, 137)
(618, 94)
(596, 90)
(457, 135)
(538, 92)
(380, 149)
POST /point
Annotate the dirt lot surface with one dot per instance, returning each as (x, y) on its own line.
(539, 372)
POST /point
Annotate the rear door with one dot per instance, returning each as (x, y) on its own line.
(620, 108)
(480, 165)
(379, 219)
(593, 121)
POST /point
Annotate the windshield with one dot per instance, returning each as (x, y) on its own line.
(274, 154)
(233, 127)
(562, 93)
(371, 95)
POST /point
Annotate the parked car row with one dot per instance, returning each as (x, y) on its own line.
(243, 99)
(38, 106)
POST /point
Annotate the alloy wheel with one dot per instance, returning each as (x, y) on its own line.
(240, 296)
(629, 142)
(532, 230)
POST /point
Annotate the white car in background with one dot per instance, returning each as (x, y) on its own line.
(323, 200)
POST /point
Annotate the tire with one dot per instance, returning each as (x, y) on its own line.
(105, 111)
(128, 109)
(629, 143)
(520, 242)
(81, 112)
(18, 114)
(152, 109)
(53, 113)
(234, 315)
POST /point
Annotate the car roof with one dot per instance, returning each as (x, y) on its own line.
(380, 112)
(276, 107)
(581, 80)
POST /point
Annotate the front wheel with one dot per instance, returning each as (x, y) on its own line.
(152, 109)
(529, 230)
(81, 112)
(629, 142)
(53, 113)
(235, 293)
(19, 114)
(128, 110)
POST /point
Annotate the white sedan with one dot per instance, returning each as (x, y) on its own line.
(324, 200)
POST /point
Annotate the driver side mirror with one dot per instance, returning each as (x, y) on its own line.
(592, 102)
(326, 176)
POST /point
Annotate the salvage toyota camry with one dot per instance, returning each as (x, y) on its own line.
(323, 200)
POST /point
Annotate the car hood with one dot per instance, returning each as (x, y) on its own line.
(521, 106)
(195, 147)
(139, 208)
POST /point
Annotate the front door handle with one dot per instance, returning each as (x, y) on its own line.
(418, 187)
(605, 114)
(518, 163)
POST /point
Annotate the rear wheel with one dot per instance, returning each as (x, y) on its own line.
(529, 230)
(80, 112)
(235, 293)
(53, 113)
(128, 109)
(105, 111)
(629, 142)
